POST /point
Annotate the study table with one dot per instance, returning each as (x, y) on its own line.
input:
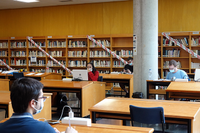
(119, 78)
(118, 108)
(103, 128)
(189, 90)
(91, 92)
(5, 103)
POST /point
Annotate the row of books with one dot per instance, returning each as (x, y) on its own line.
(3, 53)
(53, 63)
(167, 42)
(171, 53)
(195, 65)
(76, 44)
(4, 60)
(18, 44)
(101, 63)
(77, 53)
(197, 52)
(118, 64)
(195, 41)
(104, 71)
(37, 63)
(98, 53)
(116, 85)
(51, 70)
(37, 70)
(18, 62)
(103, 42)
(36, 54)
(166, 64)
(124, 53)
(18, 53)
(77, 63)
(3, 44)
(56, 53)
(41, 44)
(56, 44)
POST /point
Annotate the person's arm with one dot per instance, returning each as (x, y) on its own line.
(94, 76)
(184, 75)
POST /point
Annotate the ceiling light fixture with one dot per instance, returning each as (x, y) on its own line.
(27, 1)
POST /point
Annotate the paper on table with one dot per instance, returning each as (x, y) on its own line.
(39, 74)
(30, 74)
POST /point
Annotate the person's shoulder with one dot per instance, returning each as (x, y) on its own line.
(182, 71)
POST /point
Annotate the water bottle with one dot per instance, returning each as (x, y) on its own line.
(150, 74)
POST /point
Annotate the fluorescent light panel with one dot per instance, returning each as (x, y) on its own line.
(27, 1)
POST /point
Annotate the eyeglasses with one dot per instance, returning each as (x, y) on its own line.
(43, 97)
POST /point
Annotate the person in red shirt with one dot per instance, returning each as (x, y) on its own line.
(93, 74)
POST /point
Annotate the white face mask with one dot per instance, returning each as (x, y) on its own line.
(41, 106)
(90, 69)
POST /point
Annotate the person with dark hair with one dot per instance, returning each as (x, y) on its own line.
(93, 74)
(175, 72)
(128, 68)
(27, 99)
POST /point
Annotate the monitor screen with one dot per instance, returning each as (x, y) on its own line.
(80, 74)
(197, 75)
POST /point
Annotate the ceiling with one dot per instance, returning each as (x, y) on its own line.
(11, 4)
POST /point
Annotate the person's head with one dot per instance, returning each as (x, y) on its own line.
(130, 61)
(172, 66)
(91, 67)
(27, 95)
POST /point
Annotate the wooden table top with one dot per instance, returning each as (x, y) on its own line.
(116, 76)
(34, 75)
(159, 81)
(65, 84)
(193, 87)
(172, 109)
(4, 97)
(102, 128)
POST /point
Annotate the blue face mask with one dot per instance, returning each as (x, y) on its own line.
(41, 107)
(130, 64)
(171, 70)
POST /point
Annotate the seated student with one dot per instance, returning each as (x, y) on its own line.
(27, 99)
(175, 72)
(128, 68)
(93, 74)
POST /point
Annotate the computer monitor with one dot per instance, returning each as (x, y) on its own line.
(197, 75)
(80, 74)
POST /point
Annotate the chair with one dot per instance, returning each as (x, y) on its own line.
(100, 78)
(154, 115)
(18, 75)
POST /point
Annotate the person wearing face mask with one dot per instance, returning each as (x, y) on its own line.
(175, 72)
(93, 74)
(27, 99)
(128, 68)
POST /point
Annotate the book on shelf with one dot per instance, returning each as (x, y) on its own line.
(37, 70)
(116, 85)
(4, 60)
(18, 62)
(171, 53)
(18, 53)
(104, 71)
(195, 41)
(36, 54)
(77, 63)
(118, 64)
(197, 52)
(195, 65)
(77, 53)
(18, 45)
(77, 44)
(51, 70)
(3, 53)
(52, 63)
(166, 64)
(167, 42)
(56, 44)
(3, 44)
(159, 53)
(98, 53)
(124, 53)
(103, 42)
(101, 63)
(41, 44)
(56, 53)
(37, 63)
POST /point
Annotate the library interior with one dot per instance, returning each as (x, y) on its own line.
(69, 66)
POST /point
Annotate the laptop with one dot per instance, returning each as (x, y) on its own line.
(197, 75)
(79, 74)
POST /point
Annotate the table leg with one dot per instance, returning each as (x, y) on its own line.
(124, 122)
(93, 117)
(189, 126)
